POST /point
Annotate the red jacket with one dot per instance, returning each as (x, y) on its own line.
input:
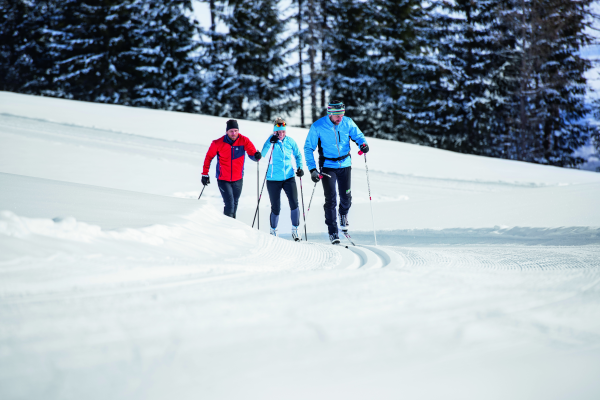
(230, 157)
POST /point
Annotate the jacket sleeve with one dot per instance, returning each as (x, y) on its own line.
(312, 140)
(356, 134)
(250, 149)
(266, 146)
(297, 154)
(210, 154)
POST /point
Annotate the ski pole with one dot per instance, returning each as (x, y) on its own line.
(257, 195)
(263, 187)
(313, 192)
(202, 192)
(360, 153)
(303, 214)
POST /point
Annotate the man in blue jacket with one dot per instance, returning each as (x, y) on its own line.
(331, 136)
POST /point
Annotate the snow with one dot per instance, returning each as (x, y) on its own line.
(116, 282)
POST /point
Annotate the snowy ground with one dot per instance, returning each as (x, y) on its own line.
(116, 283)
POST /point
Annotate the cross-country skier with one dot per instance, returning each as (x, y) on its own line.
(331, 136)
(229, 150)
(280, 175)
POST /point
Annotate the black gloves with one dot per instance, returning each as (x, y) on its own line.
(274, 139)
(257, 156)
(299, 173)
(205, 180)
(314, 175)
(364, 148)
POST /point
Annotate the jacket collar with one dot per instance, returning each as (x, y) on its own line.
(227, 140)
(330, 124)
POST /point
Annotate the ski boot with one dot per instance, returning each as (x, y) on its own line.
(335, 239)
(344, 222)
(273, 232)
(295, 233)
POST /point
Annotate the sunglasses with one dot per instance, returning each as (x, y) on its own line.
(280, 125)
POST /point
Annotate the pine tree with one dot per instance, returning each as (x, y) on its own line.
(26, 61)
(470, 41)
(264, 84)
(379, 65)
(545, 122)
(352, 49)
(409, 73)
(166, 77)
(13, 37)
(218, 74)
(94, 44)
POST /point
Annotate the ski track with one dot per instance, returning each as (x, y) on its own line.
(278, 253)
(503, 258)
(484, 292)
(274, 255)
(111, 141)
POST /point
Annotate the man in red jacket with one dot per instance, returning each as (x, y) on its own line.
(230, 164)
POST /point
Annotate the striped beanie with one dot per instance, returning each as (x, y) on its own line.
(336, 107)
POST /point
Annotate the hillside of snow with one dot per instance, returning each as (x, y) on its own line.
(117, 283)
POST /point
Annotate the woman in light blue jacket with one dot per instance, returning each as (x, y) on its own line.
(280, 175)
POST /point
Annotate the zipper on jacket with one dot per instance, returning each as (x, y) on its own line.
(337, 144)
(231, 168)
(283, 157)
(272, 160)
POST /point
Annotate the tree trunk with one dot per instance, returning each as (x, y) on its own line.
(323, 55)
(311, 58)
(300, 64)
(212, 15)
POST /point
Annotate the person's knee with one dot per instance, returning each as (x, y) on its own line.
(275, 207)
(330, 201)
(293, 203)
(346, 201)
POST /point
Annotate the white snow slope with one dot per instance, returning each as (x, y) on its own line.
(117, 283)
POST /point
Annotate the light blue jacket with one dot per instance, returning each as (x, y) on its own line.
(280, 167)
(332, 142)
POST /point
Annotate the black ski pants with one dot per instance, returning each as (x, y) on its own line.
(230, 191)
(291, 190)
(342, 177)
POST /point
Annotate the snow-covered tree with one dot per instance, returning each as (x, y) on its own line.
(219, 77)
(245, 70)
(353, 54)
(378, 63)
(409, 74)
(26, 61)
(94, 43)
(166, 76)
(258, 46)
(471, 42)
(13, 37)
(545, 122)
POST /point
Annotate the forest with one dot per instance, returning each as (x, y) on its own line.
(498, 78)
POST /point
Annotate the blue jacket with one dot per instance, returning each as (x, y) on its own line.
(281, 168)
(332, 142)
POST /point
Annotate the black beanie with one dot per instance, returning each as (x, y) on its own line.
(232, 124)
